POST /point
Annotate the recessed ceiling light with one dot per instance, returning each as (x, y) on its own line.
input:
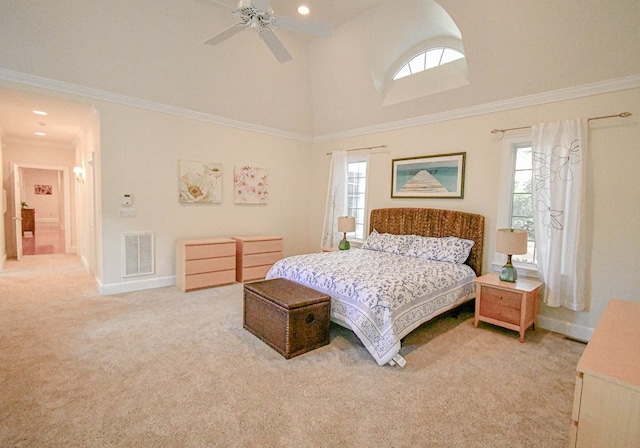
(39, 112)
(303, 10)
(40, 133)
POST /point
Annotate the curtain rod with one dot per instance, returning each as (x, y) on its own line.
(621, 115)
(366, 147)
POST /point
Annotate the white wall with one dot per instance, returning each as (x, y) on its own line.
(139, 155)
(614, 187)
(86, 209)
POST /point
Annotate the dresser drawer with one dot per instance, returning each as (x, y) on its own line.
(254, 273)
(501, 297)
(199, 251)
(257, 247)
(251, 260)
(499, 312)
(199, 281)
(205, 262)
(209, 265)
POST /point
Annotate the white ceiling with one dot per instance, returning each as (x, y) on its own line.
(62, 123)
(65, 118)
(335, 12)
(153, 51)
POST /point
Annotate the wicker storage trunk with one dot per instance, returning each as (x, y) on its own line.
(291, 318)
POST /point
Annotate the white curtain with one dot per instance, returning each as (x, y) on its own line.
(336, 199)
(559, 177)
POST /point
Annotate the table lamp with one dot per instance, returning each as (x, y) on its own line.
(511, 242)
(346, 224)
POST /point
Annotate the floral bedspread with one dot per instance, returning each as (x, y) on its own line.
(380, 296)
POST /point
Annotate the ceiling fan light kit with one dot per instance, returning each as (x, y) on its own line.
(259, 16)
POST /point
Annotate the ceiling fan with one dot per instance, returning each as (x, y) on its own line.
(259, 16)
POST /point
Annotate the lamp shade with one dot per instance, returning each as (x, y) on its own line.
(511, 241)
(346, 224)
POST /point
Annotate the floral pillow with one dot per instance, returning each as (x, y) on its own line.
(450, 249)
(388, 242)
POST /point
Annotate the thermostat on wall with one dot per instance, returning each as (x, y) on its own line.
(127, 199)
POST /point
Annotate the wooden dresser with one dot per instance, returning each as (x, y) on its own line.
(28, 220)
(255, 255)
(204, 263)
(606, 404)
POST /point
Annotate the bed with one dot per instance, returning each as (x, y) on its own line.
(416, 264)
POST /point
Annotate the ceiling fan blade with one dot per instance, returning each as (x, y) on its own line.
(226, 34)
(303, 26)
(274, 44)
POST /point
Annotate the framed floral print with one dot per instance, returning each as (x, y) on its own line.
(251, 185)
(200, 182)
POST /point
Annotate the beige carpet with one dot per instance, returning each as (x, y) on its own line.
(162, 368)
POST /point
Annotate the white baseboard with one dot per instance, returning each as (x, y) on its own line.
(138, 285)
(573, 331)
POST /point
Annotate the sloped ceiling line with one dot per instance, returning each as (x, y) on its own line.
(625, 83)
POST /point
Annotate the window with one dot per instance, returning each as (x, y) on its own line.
(521, 208)
(425, 60)
(356, 196)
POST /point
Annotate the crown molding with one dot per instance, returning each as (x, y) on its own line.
(597, 88)
(125, 100)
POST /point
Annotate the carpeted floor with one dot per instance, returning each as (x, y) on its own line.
(162, 368)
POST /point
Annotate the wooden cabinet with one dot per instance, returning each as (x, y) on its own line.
(509, 305)
(255, 255)
(606, 406)
(28, 220)
(205, 262)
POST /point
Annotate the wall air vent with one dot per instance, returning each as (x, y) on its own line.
(138, 254)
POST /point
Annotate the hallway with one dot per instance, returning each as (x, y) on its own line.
(47, 239)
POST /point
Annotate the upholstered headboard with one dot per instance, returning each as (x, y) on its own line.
(435, 223)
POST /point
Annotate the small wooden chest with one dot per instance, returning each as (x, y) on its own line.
(289, 317)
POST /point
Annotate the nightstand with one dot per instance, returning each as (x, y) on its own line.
(509, 305)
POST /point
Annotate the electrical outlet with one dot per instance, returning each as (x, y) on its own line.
(127, 212)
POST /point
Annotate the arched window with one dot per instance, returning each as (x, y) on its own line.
(425, 60)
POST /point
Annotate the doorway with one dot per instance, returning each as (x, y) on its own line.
(42, 209)
(46, 223)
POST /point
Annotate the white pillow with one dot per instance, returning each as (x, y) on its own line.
(388, 242)
(450, 249)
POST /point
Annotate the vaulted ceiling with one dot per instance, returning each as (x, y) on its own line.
(153, 52)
